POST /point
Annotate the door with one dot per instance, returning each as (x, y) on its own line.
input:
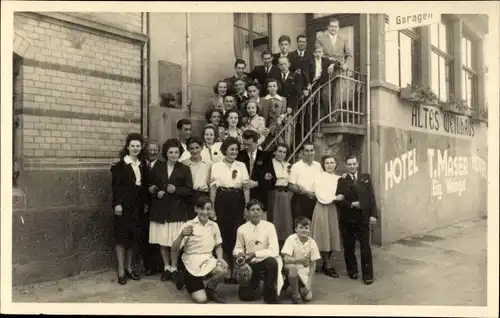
(349, 29)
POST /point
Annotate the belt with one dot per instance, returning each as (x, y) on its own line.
(281, 188)
(201, 191)
(225, 189)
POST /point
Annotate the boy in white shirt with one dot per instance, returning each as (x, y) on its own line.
(300, 253)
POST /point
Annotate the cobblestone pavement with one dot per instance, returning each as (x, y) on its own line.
(444, 267)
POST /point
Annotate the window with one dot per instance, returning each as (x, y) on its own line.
(402, 56)
(441, 60)
(252, 36)
(469, 74)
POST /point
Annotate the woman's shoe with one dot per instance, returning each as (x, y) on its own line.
(132, 275)
(331, 272)
(122, 280)
(167, 275)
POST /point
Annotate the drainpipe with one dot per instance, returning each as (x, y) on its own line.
(188, 60)
(142, 77)
(368, 97)
(148, 104)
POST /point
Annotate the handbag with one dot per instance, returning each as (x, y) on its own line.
(242, 271)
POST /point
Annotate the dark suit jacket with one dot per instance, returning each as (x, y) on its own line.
(171, 207)
(292, 89)
(259, 74)
(124, 191)
(151, 173)
(302, 63)
(325, 63)
(362, 191)
(263, 164)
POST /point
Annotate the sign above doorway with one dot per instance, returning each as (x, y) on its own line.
(405, 21)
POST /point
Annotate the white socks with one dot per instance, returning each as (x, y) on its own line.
(170, 268)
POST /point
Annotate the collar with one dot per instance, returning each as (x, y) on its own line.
(129, 161)
(153, 162)
(278, 97)
(196, 220)
(286, 74)
(298, 239)
(252, 153)
(191, 162)
(301, 52)
(281, 54)
(332, 36)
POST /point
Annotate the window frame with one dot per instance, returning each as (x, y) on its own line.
(252, 33)
(415, 35)
(469, 70)
(447, 56)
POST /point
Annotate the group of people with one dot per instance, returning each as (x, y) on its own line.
(266, 98)
(220, 208)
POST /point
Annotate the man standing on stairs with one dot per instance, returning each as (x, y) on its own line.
(302, 176)
(358, 212)
(300, 58)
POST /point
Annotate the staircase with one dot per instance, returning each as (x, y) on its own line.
(345, 113)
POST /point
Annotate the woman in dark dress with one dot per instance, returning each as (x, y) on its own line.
(227, 181)
(172, 187)
(129, 201)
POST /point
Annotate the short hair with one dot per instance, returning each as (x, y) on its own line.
(229, 95)
(171, 143)
(282, 145)
(318, 47)
(194, 140)
(152, 142)
(323, 160)
(250, 134)
(240, 61)
(201, 201)
(266, 53)
(182, 122)
(284, 57)
(209, 113)
(301, 36)
(248, 85)
(284, 38)
(216, 86)
(302, 220)
(306, 143)
(229, 141)
(351, 157)
(253, 202)
(333, 20)
(251, 101)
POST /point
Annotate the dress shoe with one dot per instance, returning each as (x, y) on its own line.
(354, 276)
(122, 280)
(368, 281)
(330, 272)
(167, 275)
(132, 275)
(178, 279)
(214, 296)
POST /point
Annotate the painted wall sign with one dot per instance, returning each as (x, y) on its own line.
(400, 168)
(413, 20)
(431, 118)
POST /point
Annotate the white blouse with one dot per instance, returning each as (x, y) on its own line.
(135, 167)
(228, 177)
(325, 186)
(212, 154)
(282, 172)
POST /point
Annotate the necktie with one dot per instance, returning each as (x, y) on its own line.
(150, 165)
(301, 54)
(252, 161)
(267, 69)
(354, 178)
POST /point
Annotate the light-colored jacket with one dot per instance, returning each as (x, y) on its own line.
(340, 52)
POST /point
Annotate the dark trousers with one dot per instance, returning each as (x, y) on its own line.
(150, 252)
(352, 231)
(302, 205)
(269, 268)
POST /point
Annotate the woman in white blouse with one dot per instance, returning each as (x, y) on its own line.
(280, 211)
(211, 149)
(325, 221)
(227, 181)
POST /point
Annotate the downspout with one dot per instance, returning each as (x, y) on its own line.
(188, 60)
(368, 97)
(148, 100)
(142, 77)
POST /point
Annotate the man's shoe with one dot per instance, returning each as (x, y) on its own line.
(368, 281)
(122, 280)
(354, 276)
(331, 272)
(132, 275)
(214, 296)
(167, 275)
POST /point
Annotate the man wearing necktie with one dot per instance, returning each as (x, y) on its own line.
(263, 73)
(358, 212)
(150, 253)
(300, 58)
(260, 168)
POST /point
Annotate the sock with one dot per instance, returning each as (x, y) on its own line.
(173, 268)
(166, 268)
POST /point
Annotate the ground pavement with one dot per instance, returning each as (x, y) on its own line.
(444, 267)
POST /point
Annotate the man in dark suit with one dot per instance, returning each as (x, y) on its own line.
(260, 168)
(284, 42)
(300, 58)
(150, 252)
(240, 67)
(357, 213)
(291, 84)
(261, 73)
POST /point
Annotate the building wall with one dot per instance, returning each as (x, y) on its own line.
(291, 24)
(414, 192)
(80, 96)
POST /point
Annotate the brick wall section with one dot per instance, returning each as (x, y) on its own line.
(55, 90)
(130, 21)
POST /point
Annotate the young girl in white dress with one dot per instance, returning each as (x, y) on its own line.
(325, 221)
